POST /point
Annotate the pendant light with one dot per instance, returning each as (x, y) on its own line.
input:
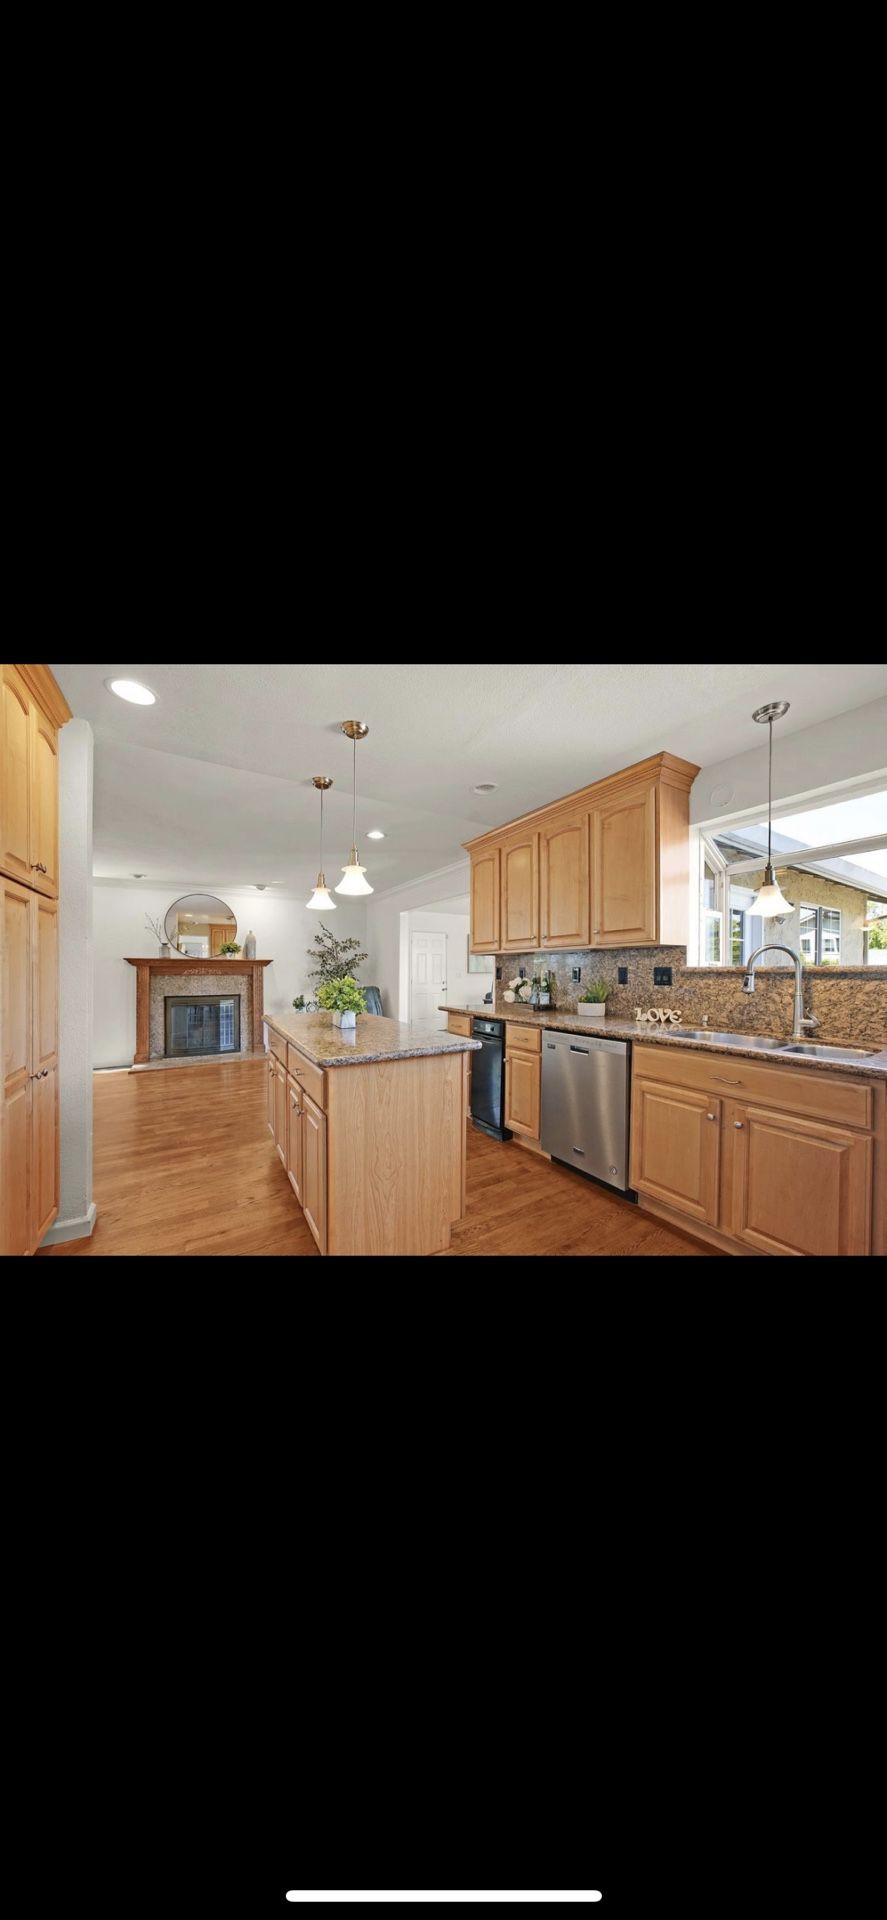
(354, 878)
(769, 902)
(321, 900)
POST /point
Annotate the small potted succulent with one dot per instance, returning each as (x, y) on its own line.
(343, 999)
(593, 1004)
(229, 949)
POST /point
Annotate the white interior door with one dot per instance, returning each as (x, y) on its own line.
(428, 978)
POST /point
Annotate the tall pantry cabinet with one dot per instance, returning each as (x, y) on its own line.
(32, 710)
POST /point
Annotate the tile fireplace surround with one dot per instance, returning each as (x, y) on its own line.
(189, 979)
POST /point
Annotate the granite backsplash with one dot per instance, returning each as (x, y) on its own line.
(850, 1004)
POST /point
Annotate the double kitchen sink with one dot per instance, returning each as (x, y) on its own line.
(759, 1043)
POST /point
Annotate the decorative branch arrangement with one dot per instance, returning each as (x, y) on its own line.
(337, 959)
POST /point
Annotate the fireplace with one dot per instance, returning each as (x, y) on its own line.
(208, 1025)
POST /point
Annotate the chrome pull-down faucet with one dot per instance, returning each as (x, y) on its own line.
(801, 1020)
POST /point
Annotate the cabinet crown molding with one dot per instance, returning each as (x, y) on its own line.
(45, 688)
(664, 767)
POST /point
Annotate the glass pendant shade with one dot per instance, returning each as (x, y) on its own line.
(769, 902)
(353, 877)
(321, 900)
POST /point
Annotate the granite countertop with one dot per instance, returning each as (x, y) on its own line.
(612, 1029)
(374, 1038)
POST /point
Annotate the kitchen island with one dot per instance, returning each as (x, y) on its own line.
(369, 1125)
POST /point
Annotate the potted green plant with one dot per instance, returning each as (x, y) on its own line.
(343, 999)
(229, 949)
(593, 1002)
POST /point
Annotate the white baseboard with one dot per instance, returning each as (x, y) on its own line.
(80, 1229)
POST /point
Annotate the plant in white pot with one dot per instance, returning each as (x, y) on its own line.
(229, 949)
(593, 1004)
(343, 999)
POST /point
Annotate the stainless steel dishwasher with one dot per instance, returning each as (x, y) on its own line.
(585, 1104)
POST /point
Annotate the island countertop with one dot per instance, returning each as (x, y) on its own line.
(375, 1038)
(643, 1033)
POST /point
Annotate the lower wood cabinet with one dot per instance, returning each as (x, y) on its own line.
(676, 1148)
(523, 1093)
(294, 1136)
(280, 1106)
(799, 1186)
(463, 1024)
(271, 1104)
(313, 1127)
(29, 1110)
(774, 1161)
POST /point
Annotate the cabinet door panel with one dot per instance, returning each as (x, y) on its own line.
(675, 1148)
(294, 1138)
(520, 894)
(485, 869)
(624, 890)
(44, 1154)
(271, 1096)
(799, 1186)
(280, 1104)
(45, 936)
(15, 776)
(523, 1093)
(16, 1034)
(44, 804)
(566, 905)
(314, 1126)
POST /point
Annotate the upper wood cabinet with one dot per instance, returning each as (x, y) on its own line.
(624, 892)
(485, 870)
(566, 915)
(31, 711)
(608, 866)
(520, 893)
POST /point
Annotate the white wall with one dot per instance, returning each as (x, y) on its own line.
(383, 924)
(850, 747)
(283, 928)
(76, 1216)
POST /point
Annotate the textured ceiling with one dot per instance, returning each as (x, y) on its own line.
(215, 780)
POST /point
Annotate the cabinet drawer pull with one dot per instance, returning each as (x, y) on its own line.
(724, 1082)
(711, 1116)
(739, 1124)
(38, 866)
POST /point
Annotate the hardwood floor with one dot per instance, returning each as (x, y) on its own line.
(520, 1203)
(184, 1164)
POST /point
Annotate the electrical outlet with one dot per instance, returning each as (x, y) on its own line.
(498, 973)
(522, 972)
(662, 976)
(576, 975)
(623, 976)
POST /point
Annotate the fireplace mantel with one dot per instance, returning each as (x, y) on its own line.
(145, 968)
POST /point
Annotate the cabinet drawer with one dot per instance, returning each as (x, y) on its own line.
(310, 1078)
(277, 1046)
(523, 1039)
(460, 1023)
(822, 1096)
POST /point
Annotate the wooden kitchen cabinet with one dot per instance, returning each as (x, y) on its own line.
(271, 1101)
(623, 889)
(520, 893)
(676, 1148)
(44, 804)
(765, 1158)
(485, 888)
(565, 866)
(29, 1112)
(798, 1186)
(280, 1106)
(608, 866)
(314, 1156)
(523, 1093)
(294, 1114)
(16, 722)
(30, 715)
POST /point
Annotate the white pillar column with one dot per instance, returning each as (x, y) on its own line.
(77, 1208)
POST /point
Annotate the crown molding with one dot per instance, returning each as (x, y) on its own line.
(45, 688)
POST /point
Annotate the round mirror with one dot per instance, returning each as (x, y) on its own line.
(198, 925)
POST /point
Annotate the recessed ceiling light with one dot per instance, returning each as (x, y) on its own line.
(486, 786)
(375, 833)
(133, 691)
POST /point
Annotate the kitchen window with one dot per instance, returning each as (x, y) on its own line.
(820, 941)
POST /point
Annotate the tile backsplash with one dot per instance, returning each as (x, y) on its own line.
(851, 1004)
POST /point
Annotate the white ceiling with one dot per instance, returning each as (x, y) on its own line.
(215, 780)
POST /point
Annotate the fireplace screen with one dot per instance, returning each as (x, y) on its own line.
(203, 1026)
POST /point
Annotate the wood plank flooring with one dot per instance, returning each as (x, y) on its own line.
(184, 1164)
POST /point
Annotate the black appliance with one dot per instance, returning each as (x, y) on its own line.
(488, 1079)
